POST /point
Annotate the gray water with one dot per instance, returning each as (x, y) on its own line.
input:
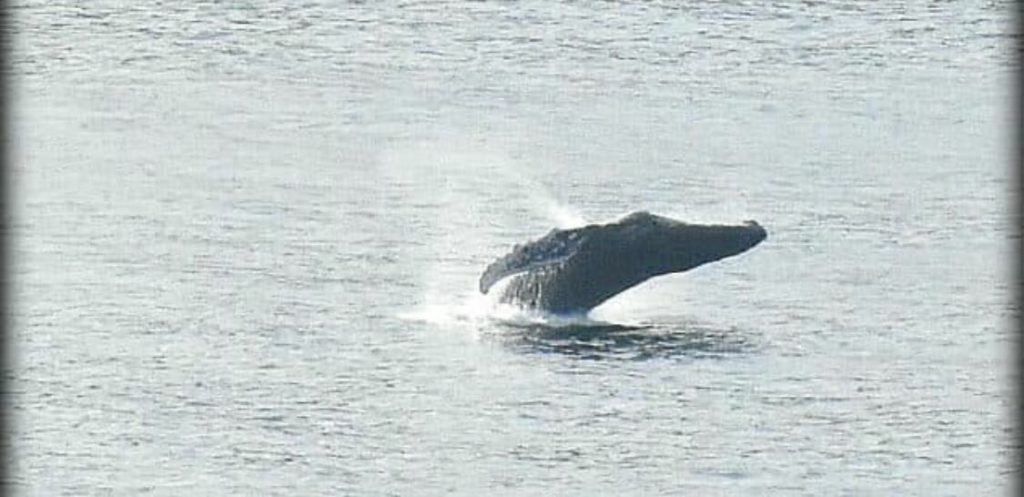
(248, 236)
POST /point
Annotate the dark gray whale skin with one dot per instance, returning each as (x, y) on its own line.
(572, 271)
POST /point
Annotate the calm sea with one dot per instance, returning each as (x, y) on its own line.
(248, 233)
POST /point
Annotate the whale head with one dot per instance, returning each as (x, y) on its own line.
(662, 245)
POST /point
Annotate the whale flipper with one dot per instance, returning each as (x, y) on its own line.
(554, 248)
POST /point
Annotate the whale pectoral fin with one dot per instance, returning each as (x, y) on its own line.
(508, 266)
(555, 248)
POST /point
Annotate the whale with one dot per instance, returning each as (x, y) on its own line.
(571, 271)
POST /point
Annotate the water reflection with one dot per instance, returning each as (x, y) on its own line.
(623, 342)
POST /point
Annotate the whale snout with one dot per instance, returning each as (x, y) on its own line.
(755, 229)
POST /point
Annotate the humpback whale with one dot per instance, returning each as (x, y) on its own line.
(573, 270)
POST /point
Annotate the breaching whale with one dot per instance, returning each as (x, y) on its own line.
(574, 270)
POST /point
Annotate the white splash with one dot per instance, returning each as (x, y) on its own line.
(474, 309)
(472, 190)
(564, 216)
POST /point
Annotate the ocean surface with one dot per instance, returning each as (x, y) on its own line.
(248, 234)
